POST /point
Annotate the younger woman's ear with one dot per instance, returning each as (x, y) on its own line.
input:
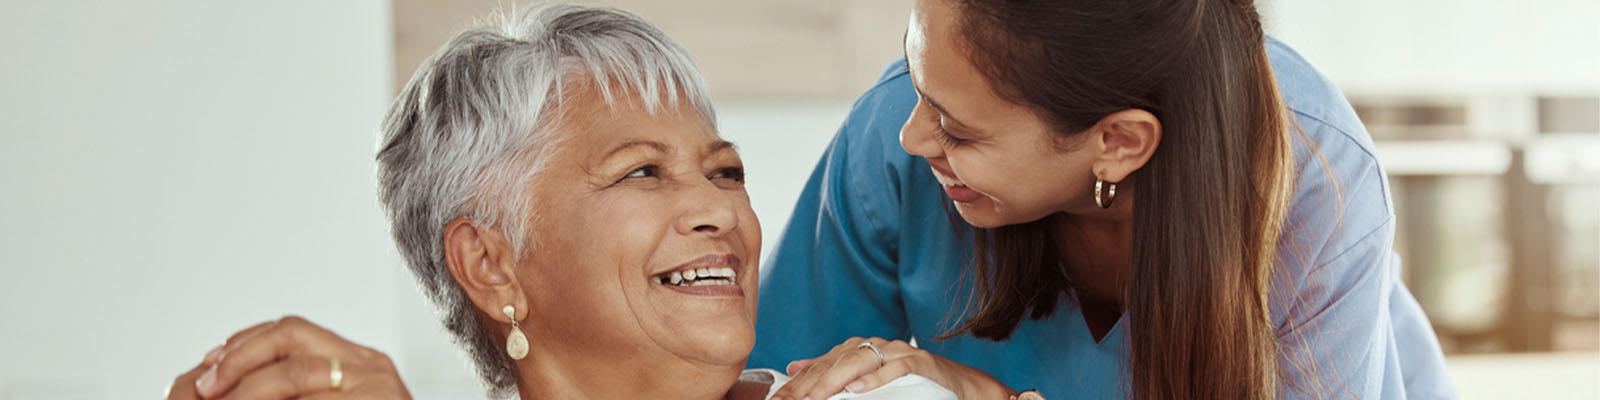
(482, 262)
(1127, 139)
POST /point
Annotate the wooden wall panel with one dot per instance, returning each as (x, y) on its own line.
(747, 49)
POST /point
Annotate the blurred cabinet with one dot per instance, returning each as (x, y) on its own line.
(1498, 200)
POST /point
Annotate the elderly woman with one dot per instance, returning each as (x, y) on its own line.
(559, 189)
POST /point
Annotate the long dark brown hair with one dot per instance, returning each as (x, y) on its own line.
(1209, 205)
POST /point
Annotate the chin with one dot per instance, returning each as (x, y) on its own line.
(981, 214)
(720, 342)
(731, 354)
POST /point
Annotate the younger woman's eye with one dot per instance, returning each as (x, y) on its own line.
(943, 135)
(947, 139)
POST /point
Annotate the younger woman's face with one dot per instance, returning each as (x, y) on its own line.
(999, 162)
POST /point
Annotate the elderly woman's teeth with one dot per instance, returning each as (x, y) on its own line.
(698, 277)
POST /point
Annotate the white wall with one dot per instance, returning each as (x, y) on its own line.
(1446, 46)
(174, 170)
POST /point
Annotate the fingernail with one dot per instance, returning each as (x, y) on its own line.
(206, 380)
(855, 387)
(214, 355)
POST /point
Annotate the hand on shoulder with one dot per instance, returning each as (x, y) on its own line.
(873, 368)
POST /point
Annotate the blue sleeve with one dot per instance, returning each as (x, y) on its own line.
(833, 274)
(1341, 341)
(1358, 333)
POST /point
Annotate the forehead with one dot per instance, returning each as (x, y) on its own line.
(589, 123)
(940, 68)
(933, 47)
(933, 23)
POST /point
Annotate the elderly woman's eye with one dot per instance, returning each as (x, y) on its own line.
(647, 171)
(733, 173)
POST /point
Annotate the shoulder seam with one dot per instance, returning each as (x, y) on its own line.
(1364, 237)
(1342, 132)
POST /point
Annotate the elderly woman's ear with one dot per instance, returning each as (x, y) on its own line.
(484, 264)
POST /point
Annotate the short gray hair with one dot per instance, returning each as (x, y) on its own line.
(474, 125)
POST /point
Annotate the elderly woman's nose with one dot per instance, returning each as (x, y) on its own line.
(708, 209)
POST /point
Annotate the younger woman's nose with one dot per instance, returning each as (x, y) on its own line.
(916, 135)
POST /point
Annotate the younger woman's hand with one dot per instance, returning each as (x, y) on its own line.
(849, 367)
(290, 358)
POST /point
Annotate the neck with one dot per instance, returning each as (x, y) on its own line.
(1095, 247)
(549, 375)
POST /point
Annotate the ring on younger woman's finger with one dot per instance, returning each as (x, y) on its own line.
(869, 346)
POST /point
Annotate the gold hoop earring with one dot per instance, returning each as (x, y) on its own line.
(517, 343)
(1110, 195)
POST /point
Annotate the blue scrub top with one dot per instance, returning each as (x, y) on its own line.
(873, 250)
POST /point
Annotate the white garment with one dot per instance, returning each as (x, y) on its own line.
(906, 387)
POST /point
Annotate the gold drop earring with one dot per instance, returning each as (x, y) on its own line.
(517, 343)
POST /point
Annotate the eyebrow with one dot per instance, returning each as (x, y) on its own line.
(721, 145)
(654, 145)
(714, 147)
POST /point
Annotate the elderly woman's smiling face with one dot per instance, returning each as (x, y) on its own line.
(645, 244)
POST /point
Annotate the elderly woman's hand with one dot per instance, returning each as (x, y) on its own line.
(290, 358)
(852, 367)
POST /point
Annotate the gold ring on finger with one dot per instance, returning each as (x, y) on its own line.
(335, 374)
